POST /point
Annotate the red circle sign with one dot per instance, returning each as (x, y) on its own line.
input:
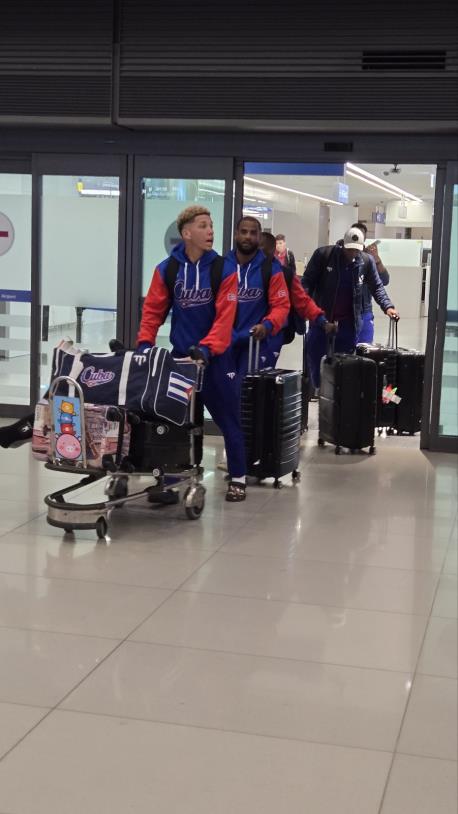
(6, 234)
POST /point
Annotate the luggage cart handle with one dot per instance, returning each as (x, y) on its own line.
(257, 342)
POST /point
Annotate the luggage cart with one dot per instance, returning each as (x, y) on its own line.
(122, 485)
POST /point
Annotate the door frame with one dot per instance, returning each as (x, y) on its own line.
(72, 164)
(21, 165)
(437, 314)
(170, 167)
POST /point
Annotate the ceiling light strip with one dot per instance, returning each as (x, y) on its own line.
(294, 191)
(381, 183)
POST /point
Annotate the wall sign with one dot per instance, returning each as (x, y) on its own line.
(6, 234)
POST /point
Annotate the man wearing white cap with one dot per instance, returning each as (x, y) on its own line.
(335, 277)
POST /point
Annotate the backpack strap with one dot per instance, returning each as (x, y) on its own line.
(171, 272)
(216, 274)
(266, 274)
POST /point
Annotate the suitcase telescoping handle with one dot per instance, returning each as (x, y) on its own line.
(393, 333)
(257, 345)
(330, 346)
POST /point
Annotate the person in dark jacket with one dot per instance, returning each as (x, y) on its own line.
(335, 277)
(284, 255)
(367, 330)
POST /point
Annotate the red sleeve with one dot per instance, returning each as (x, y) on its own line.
(305, 306)
(219, 336)
(155, 309)
(279, 303)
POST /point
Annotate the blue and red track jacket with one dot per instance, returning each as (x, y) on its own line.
(197, 318)
(253, 306)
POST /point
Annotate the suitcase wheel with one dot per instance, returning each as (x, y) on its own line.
(296, 476)
(321, 443)
(101, 528)
(278, 484)
(337, 450)
(372, 450)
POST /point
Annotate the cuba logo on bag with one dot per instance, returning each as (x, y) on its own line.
(92, 377)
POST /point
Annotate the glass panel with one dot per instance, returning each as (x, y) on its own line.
(448, 421)
(79, 259)
(163, 200)
(15, 285)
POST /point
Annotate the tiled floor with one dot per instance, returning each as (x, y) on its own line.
(295, 653)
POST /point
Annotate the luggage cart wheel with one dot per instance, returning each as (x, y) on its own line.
(321, 443)
(337, 450)
(101, 528)
(372, 450)
(296, 476)
(194, 502)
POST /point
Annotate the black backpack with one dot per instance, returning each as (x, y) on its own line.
(295, 324)
(216, 274)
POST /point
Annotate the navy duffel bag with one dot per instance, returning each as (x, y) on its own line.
(152, 383)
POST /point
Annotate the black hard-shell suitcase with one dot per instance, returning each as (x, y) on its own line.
(410, 376)
(347, 403)
(386, 360)
(162, 445)
(271, 409)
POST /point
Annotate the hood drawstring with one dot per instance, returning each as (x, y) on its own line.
(239, 275)
(246, 276)
(197, 276)
(185, 276)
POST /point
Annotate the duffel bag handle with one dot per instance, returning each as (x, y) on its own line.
(257, 345)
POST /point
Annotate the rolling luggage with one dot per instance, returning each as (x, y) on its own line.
(271, 409)
(347, 402)
(162, 445)
(410, 376)
(385, 356)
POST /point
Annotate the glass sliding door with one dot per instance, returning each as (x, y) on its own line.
(15, 290)
(78, 259)
(164, 187)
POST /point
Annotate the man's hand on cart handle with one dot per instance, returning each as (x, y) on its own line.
(200, 355)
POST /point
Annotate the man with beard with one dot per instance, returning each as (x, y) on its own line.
(263, 300)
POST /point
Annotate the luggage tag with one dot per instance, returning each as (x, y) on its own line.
(389, 395)
(67, 428)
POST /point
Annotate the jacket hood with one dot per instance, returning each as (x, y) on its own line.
(255, 261)
(180, 254)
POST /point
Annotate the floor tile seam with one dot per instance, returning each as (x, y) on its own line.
(84, 580)
(330, 562)
(25, 523)
(297, 602)
(224, 730)
(408, 700)
(405, 674)
(23, 704)
(55, 632)
(427, 757)
(75, 687)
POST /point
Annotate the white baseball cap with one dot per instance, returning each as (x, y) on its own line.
(354, 239)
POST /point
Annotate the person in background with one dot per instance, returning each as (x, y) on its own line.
(284, 255)
(335, 277)
(201, 318)
(301, 303)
